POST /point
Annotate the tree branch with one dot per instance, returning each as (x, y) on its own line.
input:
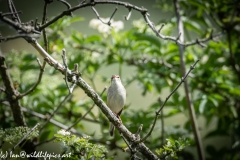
(193, 118)
(56, 123)
(97, 100)
(143, 11)
(11, 95)
(55, 111)
(167, 98)
(38, 81)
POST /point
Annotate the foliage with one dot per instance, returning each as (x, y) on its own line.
(169, 150)
(80, 148)
(14, 135)
(154, 65)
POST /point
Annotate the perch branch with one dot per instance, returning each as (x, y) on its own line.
(98, 101)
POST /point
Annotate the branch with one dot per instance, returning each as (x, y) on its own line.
(90, 4)
(13, 11)
(44, 19)
(11, 93)
(56, 123)
(83, 4)
(55, 111)
(192, 114)
(97, 100)
(167, 98)
(18, 26)
(4, 39)
(98, 16)
(66, 4)
(38, 81)
(176, 39)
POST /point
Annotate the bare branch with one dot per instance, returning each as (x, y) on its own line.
(44, 19)
(161, 27)
(83, 5)
(127, 5)
(98, 16)
(11, 13)
(129, 14)
(67, 4)
(167, 98)
(38, 81)
(11, 94)
(189, 102)
(14, 12)
(162, 121)
(56, 123)
(55, 111)
(27, 36)
(64, 58)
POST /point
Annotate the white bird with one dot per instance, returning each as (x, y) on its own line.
(116, 98)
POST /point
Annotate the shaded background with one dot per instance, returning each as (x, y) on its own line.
(134, 96)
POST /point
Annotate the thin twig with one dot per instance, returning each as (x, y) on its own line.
(167, 98)
(162, 121)
(4, 39)
(68, 6)
(14, 12)
(129, 14)
(44, 117)
(161, 27)
(64, 58)
(25, 136)
(55, 111)
(98, 16)
(11, 13)
(83, 2)
(132, 149)
(42, 66)
(43, 22)
(127, 5)
(81, 118)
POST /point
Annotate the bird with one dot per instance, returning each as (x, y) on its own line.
(116, 98)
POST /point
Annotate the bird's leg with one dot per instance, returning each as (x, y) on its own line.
(118, 116)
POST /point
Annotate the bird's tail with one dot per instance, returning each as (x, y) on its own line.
(112, 128)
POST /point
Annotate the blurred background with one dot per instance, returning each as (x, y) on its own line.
(149, 68)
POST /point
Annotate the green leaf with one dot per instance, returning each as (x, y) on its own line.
(146, 37)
